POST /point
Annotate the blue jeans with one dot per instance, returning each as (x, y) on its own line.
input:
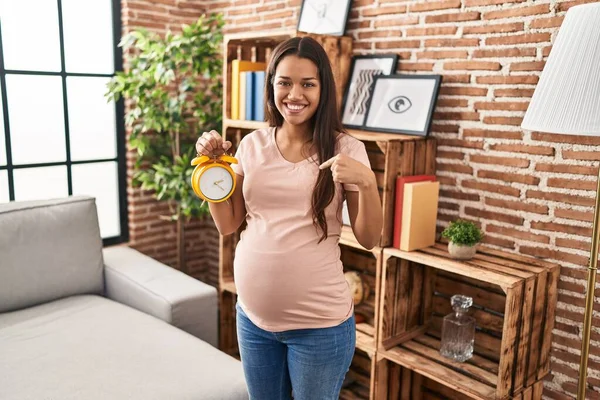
(311, 362)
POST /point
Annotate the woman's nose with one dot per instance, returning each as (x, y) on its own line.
(295, 92)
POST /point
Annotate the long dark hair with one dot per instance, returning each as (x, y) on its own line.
(325, 123)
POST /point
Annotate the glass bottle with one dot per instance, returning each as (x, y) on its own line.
(458, 330)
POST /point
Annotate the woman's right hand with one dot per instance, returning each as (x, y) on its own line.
(212, 144)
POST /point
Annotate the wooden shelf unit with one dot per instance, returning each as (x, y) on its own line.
(395, 382)
(514, 306)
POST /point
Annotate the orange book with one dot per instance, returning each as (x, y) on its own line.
(400, 182)
(419, 215)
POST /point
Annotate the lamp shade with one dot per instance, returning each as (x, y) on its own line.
(567, 96)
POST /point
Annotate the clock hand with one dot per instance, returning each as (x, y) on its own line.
(219, 186)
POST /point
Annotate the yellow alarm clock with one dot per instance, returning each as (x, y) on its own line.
(213, 179)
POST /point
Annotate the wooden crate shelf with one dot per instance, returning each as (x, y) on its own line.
(368, 264)
(392, 381)
(357, 385)
(514, 303)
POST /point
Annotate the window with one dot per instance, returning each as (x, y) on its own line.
(58, 134)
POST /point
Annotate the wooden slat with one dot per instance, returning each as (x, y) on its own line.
(512, 316)
(439, 373)
(505, 282)
(365, 342)
(552, 298)
(449, 287)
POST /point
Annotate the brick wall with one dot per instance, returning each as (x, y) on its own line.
(531, 192)
(148, 233)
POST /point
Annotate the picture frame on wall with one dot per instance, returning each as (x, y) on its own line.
(403, 104)
(363, 70)
(325, 17)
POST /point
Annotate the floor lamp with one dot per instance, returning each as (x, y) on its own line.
(567, 101)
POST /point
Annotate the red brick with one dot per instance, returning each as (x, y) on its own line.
(473, 65)
(553, 22)
(512, 162)
(509, 177)
(519, 148)
(581, 155)
(398, 44)
(397, 22)
(513, 92)
(380, 33)
(554, 255)
(474, 42)
(456, 168)
(433, 31)
(566, 139)
(453, 17)
(415, 66)
(463, 91)
(498, 28)
(564, 228)
(452, 103)
(435, 5)
(457, 78)
(517, 234)
(573, 244)
(585, 216)
(488, 187)
(508, 80)
(518, 39)
(504, 52)
(446, 180)
(496, 241)
(450, 155)
(501, 105)
(442, 54)
(566, 169)
(515, 121)
(353, 25)
(528, 66)
(476, 3)
(444, 128)
(517, 12)
(370, 12)
(564, 6)
(560, 198)
(459, 195)
(469, 144)
(495, 216)
(453, 116)
(572, 184)
(485, 133)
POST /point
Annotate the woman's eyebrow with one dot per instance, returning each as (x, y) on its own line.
(304, 79)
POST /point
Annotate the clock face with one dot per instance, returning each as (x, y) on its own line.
(216, 183)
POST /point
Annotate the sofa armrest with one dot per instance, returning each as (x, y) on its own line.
(145, 284)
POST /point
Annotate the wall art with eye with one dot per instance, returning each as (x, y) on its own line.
(363, 71)
(403, 104)
(325, 17)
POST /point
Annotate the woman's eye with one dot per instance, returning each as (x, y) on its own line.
(399, 104)
(282, 83)
(309, 84)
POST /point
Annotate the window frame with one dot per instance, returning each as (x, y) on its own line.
(119, 114)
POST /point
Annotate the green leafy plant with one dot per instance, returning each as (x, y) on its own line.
(173, 89)
(463, 233)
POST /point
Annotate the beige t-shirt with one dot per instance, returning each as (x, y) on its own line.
(285, 279)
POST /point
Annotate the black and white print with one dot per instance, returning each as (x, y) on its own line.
(325, 17)
(403, 103)
(363, 71)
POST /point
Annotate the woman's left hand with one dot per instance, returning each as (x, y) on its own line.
(347, 170)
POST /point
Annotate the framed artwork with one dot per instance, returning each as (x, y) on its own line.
(403, 103)
(326, 17)
(363, 71)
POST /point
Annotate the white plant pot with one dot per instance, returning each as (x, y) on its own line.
(461, 252)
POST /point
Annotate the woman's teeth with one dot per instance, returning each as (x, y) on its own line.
(295, 107)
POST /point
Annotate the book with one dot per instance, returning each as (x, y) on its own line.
(399, 197)
(238, 66)
(419, 215)
(250, 95)
(259, 95)
(242, 99)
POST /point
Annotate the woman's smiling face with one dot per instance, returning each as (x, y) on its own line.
(296, 89)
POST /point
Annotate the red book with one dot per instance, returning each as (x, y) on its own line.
(400, 182)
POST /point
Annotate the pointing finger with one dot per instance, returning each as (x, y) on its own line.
(328, 163)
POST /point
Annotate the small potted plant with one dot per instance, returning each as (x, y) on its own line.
(463, 238)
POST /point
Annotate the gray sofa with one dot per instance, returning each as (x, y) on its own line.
(81, 322)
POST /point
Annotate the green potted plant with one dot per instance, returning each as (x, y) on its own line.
(463, 237)
(173, 87)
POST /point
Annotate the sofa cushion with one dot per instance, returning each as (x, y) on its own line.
(49, 250)
(89, 347)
